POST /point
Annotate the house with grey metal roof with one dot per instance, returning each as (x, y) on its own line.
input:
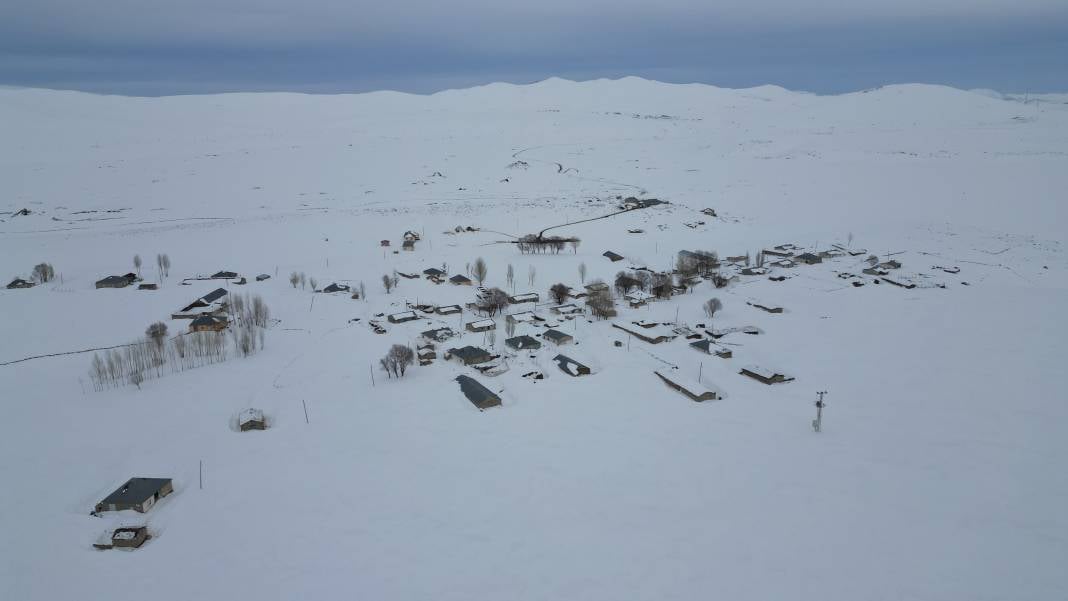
(558, 337)
(522, 343)
(571, 367)
(469, 355)
(480, 396)
(139, 494)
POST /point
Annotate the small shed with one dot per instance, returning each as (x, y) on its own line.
(764, 375)
(612, 256)
(251, 419)
(262, 276)
(208, 323)
(770, 308)
(522, 343)
(148, 287)
(448, 310)
(438, 334)
(433, 272)
(224, 275)
(696, 391)
(124, 538)
(139, 494)
(482, 325)
(384, 243)
(480, 396)
(557, 337)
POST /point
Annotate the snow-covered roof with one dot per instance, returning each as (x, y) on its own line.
(691, 387)
(638, 295)
(530, 296)
(124, 535)
(568, 308)
(250, 415)
(525, 316)
(404, 315)
(482, 323)
(761, 371)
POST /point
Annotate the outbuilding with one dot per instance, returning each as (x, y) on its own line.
(208, 323)
(469, 355)
(460, 280)
(402, 317)
(523, 343)
(613, 257)
(764, 375)
(696, 391)
(571, 367)
(251, 419)
(19, 283)
(480, 396)
(482, 325)
(557, 337)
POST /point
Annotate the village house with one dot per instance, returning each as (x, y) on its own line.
(384, 243)
(402, 317)
(262, 277)
(595, 287)
(571, 367)
(566, 309)
(208, 323)
(777, 252)
(116, 281)
(613, 257)
(224, 275)
(784, 263)
(522, 343)
(874, 271)
(808, 258)
(212, 303)
(739, 259)
(448, 310)
(469, 355)
(708, 347)
(482, 325)
(764, 375)
(654, 335)
(335, 287)
(480, 396)
(460, 280)
(522, 317)
(438, 334)
(754, 271)
(139, 494)
(251, 419)
(557, 337)
(148, 286)
(410, 236)
(637, 298)
(19, 283)
(433, 272)
(529, 297)
(696, 391)
(897, 281)
(426, 354)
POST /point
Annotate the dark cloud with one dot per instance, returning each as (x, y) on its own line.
(147, 47)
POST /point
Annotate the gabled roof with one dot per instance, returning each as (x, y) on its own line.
(214, 295)
(438, 334)
(570, 366)
(114, 279)
(703, 345)
(479, 395)
(433, 271)
(224, 275)
(459, 278)
(136, 490)
(335, 287)
(612, 256)
(469, 352)
(250, 415)
(557, 335)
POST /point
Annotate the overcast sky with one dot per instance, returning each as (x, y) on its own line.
(149, 47)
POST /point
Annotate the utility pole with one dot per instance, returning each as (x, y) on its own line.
(817, 424)
(201, 474)
(305, 403)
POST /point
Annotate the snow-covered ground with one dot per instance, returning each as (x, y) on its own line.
(941, 472)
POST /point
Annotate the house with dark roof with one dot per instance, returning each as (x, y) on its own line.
(460, 280)
(139, 494)
(469, 355)
(707, 346)
(529, 297)
(212, 303)
(808, 258)
(523, 343)
(480, 396)
(438, 334)
(612, 256)
(19, 283)
(224, 275)
(251, 419)
(335, 287)
(115, 281)
(571, 367)
(208, 323)
(557, 337)
(262, 276)
(433, 272)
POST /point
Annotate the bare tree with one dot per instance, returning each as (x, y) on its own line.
(157, 333)
(480, 270)
(303, 280)
(494, 301)
(558, 292)
(509, 328)
(387, 283)
(574, 242)
(712, 306)
(760, 258)
(137, 264)
(510, 275)
(531, 273)
(314, 283)
(625, 282)
(873, 260)
(43, 272)
(159, 265)
(601, 304)
(167, 265)
(363, 291)
(582, 272)
(294, 279)
(397, 360)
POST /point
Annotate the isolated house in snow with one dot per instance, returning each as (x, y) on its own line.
(764, 375)
(410, 236)
(571, 367)
(251, 419)
(482, 325)
(469, 355)
(262, 276)
(224, 275)
(384, 243)
(335, 287)
(460, 280)
(557, 337)
(696, 391)
(19, 283)
(139, 494)
(613, 257)
(523, 343)
(114, 281)
(480, 396)
(208, 323)
(770, 308)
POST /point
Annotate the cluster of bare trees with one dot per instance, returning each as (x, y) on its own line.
(155, 354)
(397, 360)
(163, 263)
(493, 301)
(698, 262)
(554, 244)
(43, 273)
(657, 284)
(299, 278)
(600, 302)
(389, 282)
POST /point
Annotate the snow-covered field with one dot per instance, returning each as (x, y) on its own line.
(941, 472)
